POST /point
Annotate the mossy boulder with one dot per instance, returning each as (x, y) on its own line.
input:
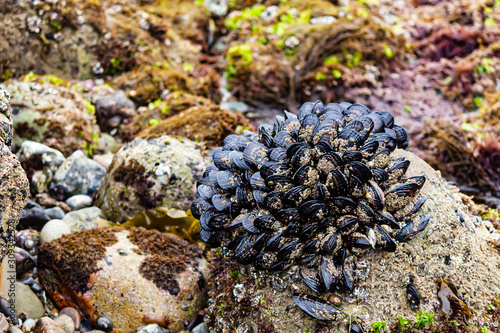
(51, 111)
(453, 246)
(134, 276)
(146, 174)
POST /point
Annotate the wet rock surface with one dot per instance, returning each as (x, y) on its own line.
(165, 284)
(145, 174)
(14, 187)
(262, 301)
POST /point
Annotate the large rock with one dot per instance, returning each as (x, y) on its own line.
(14, 186)
(145, 174)
(451, 247)
(52, 112)
(134, 276)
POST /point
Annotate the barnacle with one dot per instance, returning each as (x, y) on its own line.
(317, 190)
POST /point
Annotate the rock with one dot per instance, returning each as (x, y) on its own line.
(77, 175)
(47, 325)
(33, 216)
(381, 291)
(104, 160)
(28, 324)
(55, 213)
(107, 143)
(201, 328)
(138, 276)
(79, 201)
(14, 329)
(4, 325)
(24, 260)
(113, 110)
(27, 239)
(73, 314)
(40, 163)
(153, 173)
(53, 114)
(65, 322)
(14, 187)
(8, 310)
(153, 328)
(53, 230)
(85, 218)
(27, 302)
(46, 200)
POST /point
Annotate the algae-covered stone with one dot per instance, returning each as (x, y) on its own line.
(48, 112)
(134, 276)
(380, 294)
(147, 174)
(14, 186)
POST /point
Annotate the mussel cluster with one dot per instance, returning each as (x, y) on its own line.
(316, 189)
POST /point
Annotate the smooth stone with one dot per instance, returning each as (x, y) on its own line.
(153, 328)
(33, 216)
(55, 213)
(14, 329)
(79, 201)
(50, 157)
(201, 328)
(29, 324)
(27, 302)
(104, 159)
(115, 105)
(77, 175)
(4, 325)
(47, 325)
(24, 260)
(73, 314)
(53, 230)
(84, 219)
(108, 143)
(65, 322)
(5, 308)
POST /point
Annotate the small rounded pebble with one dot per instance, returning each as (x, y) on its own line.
(65, 322)
(73, 314)
(47, 325)
(53, 230)
(79, 201)
(14, 329)
(29, 324)
(201, 328)
(153, 328)
(104, 323)
(55, 213)
(5, 308)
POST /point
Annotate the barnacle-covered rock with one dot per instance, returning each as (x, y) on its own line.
(315, 192)
(451, 247)
(146, 174)
(133, 276)
(14, 185)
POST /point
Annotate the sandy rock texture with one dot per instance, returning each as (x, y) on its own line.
(134, 276)
(451, 247)
(146, 174)
(14, 186)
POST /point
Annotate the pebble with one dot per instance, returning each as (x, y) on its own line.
(65, 322)
(53, 230)
(104, 323)
(104, 160)
(27, 302)
(14, 329)
(51, 158)
(5, 308)
(4, 325)
(116, 105)
(55, 213)
(47, 325)
(33, 216)
(73, 314)
(202, 328)
(24, 260)
(153, 328)
(78, 174)
(28, 324)
(108, 143)
(79, 201)
(83, 219)
(29, 281)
